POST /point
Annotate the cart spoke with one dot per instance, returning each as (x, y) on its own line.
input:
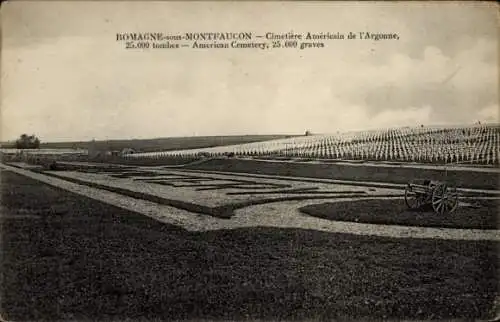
(412, 198)
(444, 208)
(438, 207)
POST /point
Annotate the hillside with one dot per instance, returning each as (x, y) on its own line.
(160, 144)
(467, 144)
(472, 144)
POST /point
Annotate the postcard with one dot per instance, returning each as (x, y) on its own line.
(254, 160)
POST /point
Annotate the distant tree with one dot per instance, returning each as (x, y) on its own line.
(28, 142)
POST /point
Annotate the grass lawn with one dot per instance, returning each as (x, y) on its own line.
(166, 144)
(69, 257)
(400, 175)
(395, 212)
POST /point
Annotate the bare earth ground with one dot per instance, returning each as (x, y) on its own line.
(65, 256)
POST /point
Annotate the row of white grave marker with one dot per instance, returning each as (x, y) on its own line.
(478, 144)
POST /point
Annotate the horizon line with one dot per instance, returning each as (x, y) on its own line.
(267, 134)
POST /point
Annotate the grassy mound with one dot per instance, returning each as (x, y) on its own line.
(395, 212)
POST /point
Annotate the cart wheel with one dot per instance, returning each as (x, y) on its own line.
(412, 199)
(444, 199)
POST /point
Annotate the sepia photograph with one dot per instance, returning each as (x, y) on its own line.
(249, 161)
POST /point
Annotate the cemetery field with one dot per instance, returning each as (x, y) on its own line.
(167, 244)
(465, 144)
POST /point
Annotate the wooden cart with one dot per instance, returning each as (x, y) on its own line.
(441, 195)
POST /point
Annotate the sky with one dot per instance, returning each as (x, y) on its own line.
(65, 77)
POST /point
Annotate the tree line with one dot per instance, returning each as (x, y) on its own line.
(26, 141)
